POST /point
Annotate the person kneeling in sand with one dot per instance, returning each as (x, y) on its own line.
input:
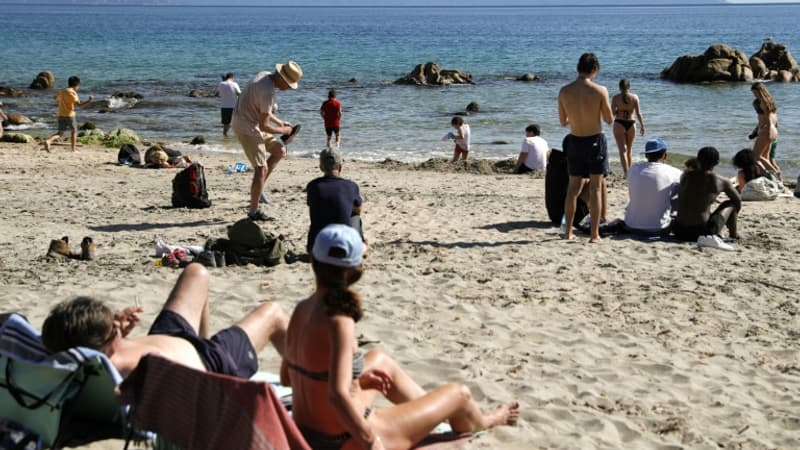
(652, 185)
(699, 189)
(334, 384)
(179, 333)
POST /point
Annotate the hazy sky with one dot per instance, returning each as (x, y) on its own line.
(403, 2)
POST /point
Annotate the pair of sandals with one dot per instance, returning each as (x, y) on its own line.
(59, 249)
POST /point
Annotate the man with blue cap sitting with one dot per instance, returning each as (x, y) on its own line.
(652, 188)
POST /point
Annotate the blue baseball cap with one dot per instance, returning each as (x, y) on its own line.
(338, 245)
(655, 145)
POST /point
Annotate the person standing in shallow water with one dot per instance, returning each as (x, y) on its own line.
(624, 105)
(229, 91)
(331, 112)
(582, 105)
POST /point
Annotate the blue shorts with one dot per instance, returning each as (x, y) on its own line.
(586, 155)
(228, 352)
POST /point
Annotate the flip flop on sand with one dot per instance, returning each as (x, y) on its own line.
(287, 138)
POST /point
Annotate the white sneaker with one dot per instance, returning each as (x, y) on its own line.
(263, 199)
(713, 241)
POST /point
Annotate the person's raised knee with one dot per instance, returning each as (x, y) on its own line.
(196, 270)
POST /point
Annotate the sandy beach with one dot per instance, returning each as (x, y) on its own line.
(626, 344)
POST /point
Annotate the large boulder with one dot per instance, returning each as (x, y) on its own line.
(718, 63)
(776, 57)
(44, 80)
(784, 76)
(18, 119)
(131, 94)
(430, 74)
(528, 77)
(11, 92)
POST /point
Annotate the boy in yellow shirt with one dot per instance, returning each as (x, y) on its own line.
(67, 99)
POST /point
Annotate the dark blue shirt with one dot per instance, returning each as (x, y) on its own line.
(330, 200)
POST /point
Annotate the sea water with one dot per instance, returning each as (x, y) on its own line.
(163, 53)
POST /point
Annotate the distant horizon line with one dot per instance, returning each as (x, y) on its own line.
(171, 3)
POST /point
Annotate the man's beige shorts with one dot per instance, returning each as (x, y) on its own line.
(256, 148)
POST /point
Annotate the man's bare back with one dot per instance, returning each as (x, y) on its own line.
(582, 104)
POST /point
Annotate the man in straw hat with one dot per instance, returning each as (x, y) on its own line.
(256, 125)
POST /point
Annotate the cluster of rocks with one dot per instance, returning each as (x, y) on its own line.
(91, 135)
(17, 119)
(720, 62)
(430, 74)
(11, 92)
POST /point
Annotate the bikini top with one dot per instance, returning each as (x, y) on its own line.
(358, 369)
(757, 107)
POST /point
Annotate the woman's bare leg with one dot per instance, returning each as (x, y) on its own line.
(403, 425)
(630, 135)
(621, 138)
(761, 148)
(404, 389)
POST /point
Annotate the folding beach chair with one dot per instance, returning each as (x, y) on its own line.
(202, 410)
(65, 398)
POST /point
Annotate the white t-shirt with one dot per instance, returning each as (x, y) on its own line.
(228, 91)
(465, 141)
(650, 187)
(257, 99)
(536, 148)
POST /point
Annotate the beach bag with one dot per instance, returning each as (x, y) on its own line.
(556, 182)
(189, 188)
(129, 155)
(761, 189)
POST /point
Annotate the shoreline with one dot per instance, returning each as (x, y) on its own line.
(627, 344)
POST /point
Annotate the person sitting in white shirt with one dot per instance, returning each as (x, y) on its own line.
(534, 153)
(652, 187)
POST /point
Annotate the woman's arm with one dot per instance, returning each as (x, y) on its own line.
(638, 112)
(740, 182)
(340, 382)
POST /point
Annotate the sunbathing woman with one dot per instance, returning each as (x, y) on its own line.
(624, 105)
(766, 132)
(334, 384)
(749, 167)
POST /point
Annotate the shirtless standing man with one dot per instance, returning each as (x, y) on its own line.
(179, 333)
(581, 105)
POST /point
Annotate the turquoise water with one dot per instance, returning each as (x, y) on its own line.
(164, 52)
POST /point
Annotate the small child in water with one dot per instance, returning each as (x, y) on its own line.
(461, 138)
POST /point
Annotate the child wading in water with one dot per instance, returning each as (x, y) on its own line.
(67, 100)
(461, 138)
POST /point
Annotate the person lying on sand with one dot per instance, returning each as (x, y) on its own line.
(180, 332)
(334, 384)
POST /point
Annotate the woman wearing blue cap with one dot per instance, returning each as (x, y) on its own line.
(334, 384)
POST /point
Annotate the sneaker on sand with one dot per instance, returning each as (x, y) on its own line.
(263, 199)
(713, 241)
(258, 215)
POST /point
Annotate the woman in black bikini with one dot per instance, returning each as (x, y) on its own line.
(766, 132)
(334, 384)
(624, 105)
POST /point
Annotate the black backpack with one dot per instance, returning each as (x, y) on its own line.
(556, 181)
(129, 155)
(189, 188)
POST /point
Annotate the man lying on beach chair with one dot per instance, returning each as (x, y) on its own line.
(55, 400)
(179, 333)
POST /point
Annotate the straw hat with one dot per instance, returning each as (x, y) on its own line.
(290, 72)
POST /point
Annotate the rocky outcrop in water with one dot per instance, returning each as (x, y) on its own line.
(135, 95)
(528, 77)
(722, 63)
(430, 74)
(44, 80)
(18, 119)
(11, 92)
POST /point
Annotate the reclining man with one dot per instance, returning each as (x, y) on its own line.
(179, 333)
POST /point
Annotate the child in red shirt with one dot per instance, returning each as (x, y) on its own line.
(331, 112)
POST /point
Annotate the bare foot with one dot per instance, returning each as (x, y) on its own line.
(47, 146)
(595, 240)
(569, 237)
(507, 414)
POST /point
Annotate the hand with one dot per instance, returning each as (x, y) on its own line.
(377, 444)
(752, 135)
(641, 130)
(91, 98)
(127, 319)
(287, 129)
(376, 379)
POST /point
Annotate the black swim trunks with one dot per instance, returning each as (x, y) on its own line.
(226, 115)
(228, 352)
(586, 155)
(330, 130)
